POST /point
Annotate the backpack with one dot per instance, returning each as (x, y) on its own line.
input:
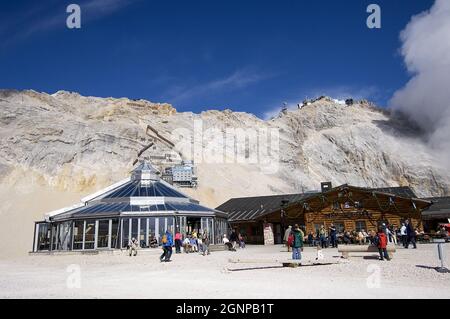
(376, 240)
(164, 239)
(290, 240)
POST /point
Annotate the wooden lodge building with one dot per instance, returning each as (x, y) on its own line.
(263, 219)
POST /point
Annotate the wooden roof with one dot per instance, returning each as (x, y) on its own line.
(253, 208)
(439, 209)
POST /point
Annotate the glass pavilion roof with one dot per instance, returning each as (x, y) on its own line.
(136, 189)
(144, 183)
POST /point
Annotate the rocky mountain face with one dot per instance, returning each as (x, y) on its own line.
(71, 143)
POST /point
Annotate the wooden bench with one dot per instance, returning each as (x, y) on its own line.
(346, 249)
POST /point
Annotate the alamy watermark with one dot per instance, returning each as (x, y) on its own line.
(373, 281)
(230, 145)
(73, 21)
(374, 19)
(73, 280)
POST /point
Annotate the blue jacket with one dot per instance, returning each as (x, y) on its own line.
(169, 242)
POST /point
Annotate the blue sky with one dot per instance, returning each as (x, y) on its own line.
(246, 55)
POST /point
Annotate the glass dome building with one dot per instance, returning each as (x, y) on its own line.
(142, 206)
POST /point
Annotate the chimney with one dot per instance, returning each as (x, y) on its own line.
(325, 186)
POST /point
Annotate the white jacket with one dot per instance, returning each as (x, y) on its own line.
(403, 230)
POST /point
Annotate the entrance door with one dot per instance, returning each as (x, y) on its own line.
(193, 223)
(278, 236)
(208, 226)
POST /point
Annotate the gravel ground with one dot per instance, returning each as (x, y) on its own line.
(410, 274)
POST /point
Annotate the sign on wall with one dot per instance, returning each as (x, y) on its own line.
(268, 234)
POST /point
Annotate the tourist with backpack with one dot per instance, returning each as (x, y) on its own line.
(380, 240)
(297, 244)
(167, 243)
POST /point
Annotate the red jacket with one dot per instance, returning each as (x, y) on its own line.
(382, 242)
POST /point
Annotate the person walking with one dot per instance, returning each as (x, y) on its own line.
(382, 240)
(133, 247)
(411, 234)
(233, 239)
(403, 235)
(167, 243)
(178, 242)
(323, 237)
(311, 242)
(297, 244)
(333, 236)
(241, 241)
(394, 235)
(205, 241)
(287, 232)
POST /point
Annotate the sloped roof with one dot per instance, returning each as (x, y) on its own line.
(402, 191)
(439, 209)
(145, 192)
(136, 189)
(250, 208)
(115, 209)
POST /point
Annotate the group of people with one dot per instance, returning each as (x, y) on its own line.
(195, 242)
(323, 238)
(235, 240)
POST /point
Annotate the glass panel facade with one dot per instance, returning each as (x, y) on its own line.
(89, 235)
(115, 233)
(78, 234)
(134, 228)
(143, 233)
(125, 232)
(152, 231)
(170, 224)
(220, 229)
(54, 236)
(103, 234)
(43, 238)
(64, 236)
(162, 228)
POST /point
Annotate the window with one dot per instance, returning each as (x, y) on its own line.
(134, 228)
(115, 234)
(339, 227)
(125, 232)
(89, 236)
(78, 234)
(43, 239)
(143, 233)
(360, 225)
(170, 225)
(103, 234)
(317, 227)
(151, 229)
(336, 205)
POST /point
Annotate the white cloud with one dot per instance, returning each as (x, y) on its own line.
(426, 52)
(44, 18)
(237, 80)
